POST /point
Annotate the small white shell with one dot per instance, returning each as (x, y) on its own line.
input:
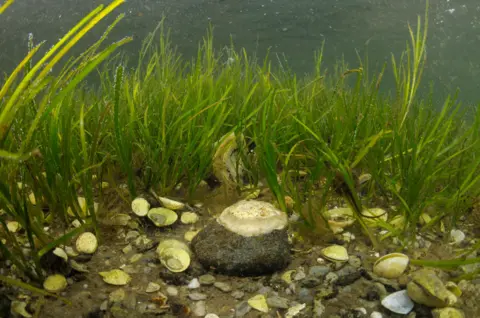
(391, 265)
(398, 302)
(140, 206)
(86, 243)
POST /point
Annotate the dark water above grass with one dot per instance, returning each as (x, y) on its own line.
(290, 28)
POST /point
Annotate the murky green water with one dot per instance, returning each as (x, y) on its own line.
(293, 28)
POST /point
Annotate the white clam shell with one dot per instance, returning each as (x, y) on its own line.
(140, 206)
(391, 265)
(398, 302)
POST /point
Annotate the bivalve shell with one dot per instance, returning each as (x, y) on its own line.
(189, 217)
(171, 204)
(140, 206)
(162, 216)
(55, 283)
(86, 243)
(336, 253)
(373, 215)
(398, 302)
(175, 259)
(339, 218)
(116, 277)
(391, 265)
(172, 243)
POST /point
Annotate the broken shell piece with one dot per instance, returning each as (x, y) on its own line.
(32, 199)
(427, 289)
(13, 226)
(171, 204)
(189, 218)
(259, 302)
(70, 251)
(456, 236)
(448, 312)
(425, 218)
(140, 206)
(115, 277)
(189, 235)
(175, 259)
(287, 276)
(454, 289)
(152, 287)
(60, 253)
(398, 221)
(82, 202)
(336, 253)
(19, 307)
(82, 268)
(339, 218)
(373, 215)
(86, 243)
(227, 165)
(295, 310)
(364, 178)
(391, 265)
(398, 302)
(162, 216)
(55, 283)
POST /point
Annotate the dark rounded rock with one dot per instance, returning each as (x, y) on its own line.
(229, 253)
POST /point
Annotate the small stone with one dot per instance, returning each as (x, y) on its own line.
(331, 278)
(310, 282)
(172, 291)
(318, 308)
(197, 296)
(277, 302)
(211, 316)
(206, 279)
(299, 274)
(347, 275)
(199, 308)
(152, 287)
(305, 295)
(237, 294)
(355, 261)
(242, 309)
(259, 303)
(223, 286)
(131, 235)
(194, 283)
(127, 249)
(135, 258)
(104, 305)
(319, 271)
(376, 314)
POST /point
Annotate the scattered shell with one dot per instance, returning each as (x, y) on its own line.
(425, 218)
(287, 276)
(86, 243)
(364, 178)
(175, 259)
(391, 265)
(250, 192)
(295, 310)
(227, 165)
(117, 295)
(447, 312)
(194, 283)
(456, 236)
(172, 243)
(259, 302)
(82, 202)
(82, 268)
(55, 283)
(13, 226)
(373, 215)
(32, 199)
(189, 217)
(70, 251)
(152, 287)
(398, 302)
(116, 277)
(336, 253)
(18, 307)
(189, 235)
(60, 253)
(171, 204)
(454, 289)
(162, 216)
(398, 221)
(339, 218)
(140, 206)
(427, 289)
(135, 258)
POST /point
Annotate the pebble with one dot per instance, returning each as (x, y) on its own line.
(311, 281)
(331, 278)
(319, 271)
(199, 309)
(197, 296)
(152, 287)
(237, 294)
(211, 316)
(318, 308)
(172, 291)
(277, 302)
(376, 314)
(242, 309)
(206, 279)
(305, 295)
(223, 286)
(104, 305)
(194, 283)
(117, 295)
(131, 235)
(355, 261)
(299, 274)
(347, 275)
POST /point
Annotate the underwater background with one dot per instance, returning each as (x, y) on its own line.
(293, 30)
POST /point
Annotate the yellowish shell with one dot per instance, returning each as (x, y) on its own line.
(55, 283)
(116, 277)
(83, 207)
(175, 259)
(189, 235)
(391, 265)
(189, 218)
(140, 206)
(13, 226)
(373, 215)
(259, 302)
(162, 216)
(172, 243)
(86, 243)
(336, 253)
(339, 218)
(171, 204)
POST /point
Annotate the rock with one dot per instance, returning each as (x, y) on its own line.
(206, 279)
(319, 271)
(347, 275)
(447, 312)
(376, 314)
(299, 274)
(318, 308)
(194, 283)
(310, 282)
(277, 302)
(197, 296)
(355, 261)
(130, 301)
(152, 287)
(226, 288)
(331, 278)
(211, 316)
(237, 294)
(242, 309)
(199, 309)
(232, 254)
(172, 291)
(305, 295)
(326, 292)
(117, 295)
